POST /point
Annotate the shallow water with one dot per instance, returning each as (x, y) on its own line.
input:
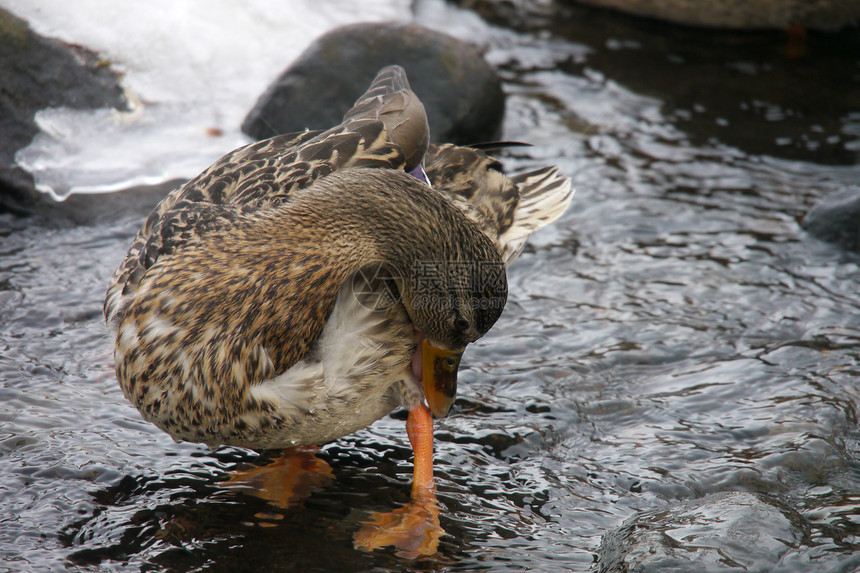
(676, 334)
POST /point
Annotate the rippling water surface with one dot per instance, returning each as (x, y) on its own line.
(676, 334)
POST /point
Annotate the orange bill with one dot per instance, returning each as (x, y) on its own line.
(439, 372)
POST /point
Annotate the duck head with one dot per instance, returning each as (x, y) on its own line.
(452, 303)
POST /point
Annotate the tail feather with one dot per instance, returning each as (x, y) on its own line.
(544, 196)
(507, 209)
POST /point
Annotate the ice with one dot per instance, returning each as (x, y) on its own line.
(192, 69)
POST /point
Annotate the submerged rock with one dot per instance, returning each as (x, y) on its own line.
(719, 532)
(836, 219)
(39, 73)
(746, 14)
(461, 92)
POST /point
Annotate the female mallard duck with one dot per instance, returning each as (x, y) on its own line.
(305, 286)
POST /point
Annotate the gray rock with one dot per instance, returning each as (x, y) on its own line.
(720, 532)
(836, 219)
(38, 73)
(461, 92)
(744, 14)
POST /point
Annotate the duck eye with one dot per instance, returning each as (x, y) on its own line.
(461, 324)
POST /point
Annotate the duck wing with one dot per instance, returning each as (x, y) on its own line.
(386, 128)
(391, 100)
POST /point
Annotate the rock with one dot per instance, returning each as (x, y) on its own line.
(826, 15)
(39, 73)
(461, 92)
(836, 219)
(720, 532)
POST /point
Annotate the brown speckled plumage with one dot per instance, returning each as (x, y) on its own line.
(239, 314)
(507, 209)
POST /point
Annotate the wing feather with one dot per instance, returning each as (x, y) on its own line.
(386, 125)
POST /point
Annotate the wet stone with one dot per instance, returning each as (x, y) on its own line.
(39, 73)
(836, 219)
(816, 14)
(719, 532)
(460, 91)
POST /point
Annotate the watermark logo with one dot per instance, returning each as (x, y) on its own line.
(440, 284)
(375, 286)
(458, 284)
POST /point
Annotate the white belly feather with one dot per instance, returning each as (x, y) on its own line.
(359, 372)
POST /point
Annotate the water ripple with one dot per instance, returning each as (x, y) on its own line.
(675, 337)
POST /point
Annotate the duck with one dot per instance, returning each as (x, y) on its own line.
(304, 286)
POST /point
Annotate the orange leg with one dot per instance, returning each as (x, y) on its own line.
(419, 428)
(286, 481)
(414, 528)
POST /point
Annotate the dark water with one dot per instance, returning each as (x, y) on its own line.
(675, 335)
